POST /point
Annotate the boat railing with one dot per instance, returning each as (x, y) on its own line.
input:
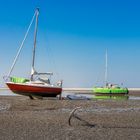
(41, 73)
(45, 80)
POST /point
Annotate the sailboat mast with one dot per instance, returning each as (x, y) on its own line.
(106, 67)
(34, 48)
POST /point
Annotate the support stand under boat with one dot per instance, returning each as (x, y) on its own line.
(31, 97)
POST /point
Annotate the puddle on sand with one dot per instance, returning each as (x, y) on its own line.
(101, 97)
(134, 97)
(102, 110)
(4, 106)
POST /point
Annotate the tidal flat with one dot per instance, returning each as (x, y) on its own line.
(25, 119)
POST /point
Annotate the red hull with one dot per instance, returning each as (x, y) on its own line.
(35, 90)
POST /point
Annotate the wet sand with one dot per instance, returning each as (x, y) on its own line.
(25, 119)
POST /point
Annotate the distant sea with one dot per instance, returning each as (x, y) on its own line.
(6, 92)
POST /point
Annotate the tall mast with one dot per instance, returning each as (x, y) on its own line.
(35, 35)
(106, 67)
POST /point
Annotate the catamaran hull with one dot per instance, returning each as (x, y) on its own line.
(34, 90)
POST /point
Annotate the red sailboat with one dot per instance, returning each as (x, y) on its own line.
(33, 86)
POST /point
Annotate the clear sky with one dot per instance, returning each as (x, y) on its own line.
(72, 38)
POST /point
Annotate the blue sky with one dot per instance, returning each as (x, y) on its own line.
(72, 38)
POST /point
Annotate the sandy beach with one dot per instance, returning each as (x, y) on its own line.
(25, 119)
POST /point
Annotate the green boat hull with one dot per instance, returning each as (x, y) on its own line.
(106, 90)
